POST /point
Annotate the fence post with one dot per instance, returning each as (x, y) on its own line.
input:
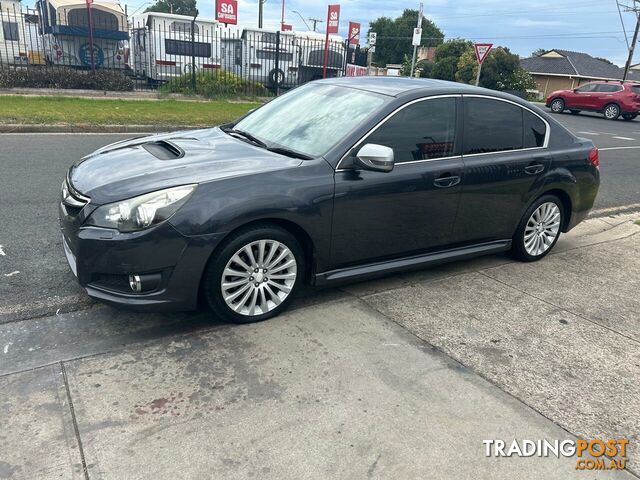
(193, 54)
(277, 77)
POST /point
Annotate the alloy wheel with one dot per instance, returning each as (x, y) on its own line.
(612, 112)
(542, 229)
(258, 277)
(557, 105)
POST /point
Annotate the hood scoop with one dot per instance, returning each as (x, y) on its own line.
(163, 150)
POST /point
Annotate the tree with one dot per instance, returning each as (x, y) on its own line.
(423, 67)
(538, 51)
(447, 56)
(501, 70)
(179, 7)
(394, 36)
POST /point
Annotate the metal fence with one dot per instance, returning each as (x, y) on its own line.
(173, 52)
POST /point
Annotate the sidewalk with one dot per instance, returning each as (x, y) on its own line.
(397, 378)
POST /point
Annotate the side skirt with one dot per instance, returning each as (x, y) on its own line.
(361, 272)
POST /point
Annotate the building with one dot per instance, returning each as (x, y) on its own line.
(563, 69)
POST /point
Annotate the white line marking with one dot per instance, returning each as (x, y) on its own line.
(618, 148)
(589, 133)
(12, 273)
(625, 138)
(6, 347)
(2, 251)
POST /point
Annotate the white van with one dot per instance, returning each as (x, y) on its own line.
(66, 37)
(160, 46)
(254, 54)
(13, 50)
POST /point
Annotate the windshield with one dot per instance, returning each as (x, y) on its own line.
(311, 119)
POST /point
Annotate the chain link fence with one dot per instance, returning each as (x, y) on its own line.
(65, 44)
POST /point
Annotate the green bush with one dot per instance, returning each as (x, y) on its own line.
(57, 77)
(219, 84)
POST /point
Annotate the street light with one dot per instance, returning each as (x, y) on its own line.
(301, 18)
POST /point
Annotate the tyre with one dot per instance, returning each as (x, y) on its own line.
(539, 229)
(629, 116)
(276, 77)
(574, 112)
(611, 111)
(557, 105)
(254, 274)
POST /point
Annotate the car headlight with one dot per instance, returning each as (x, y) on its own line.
(141, 212)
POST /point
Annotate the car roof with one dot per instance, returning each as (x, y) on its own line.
(401, 86)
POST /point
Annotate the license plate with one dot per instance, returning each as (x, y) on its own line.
(71, 258)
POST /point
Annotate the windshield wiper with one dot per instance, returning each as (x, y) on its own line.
(248, 136)
(289, 153)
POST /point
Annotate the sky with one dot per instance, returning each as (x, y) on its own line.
(590, 26)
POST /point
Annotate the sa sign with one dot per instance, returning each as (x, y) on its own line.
(482, 50)
(354, 33)
(333, 19)
(227, 11)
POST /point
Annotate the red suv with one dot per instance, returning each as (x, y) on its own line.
(612, 99)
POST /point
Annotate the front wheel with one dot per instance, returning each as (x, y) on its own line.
(611, 111)
(557, 106)
(629, 116)
(255, 274)
(539, 229)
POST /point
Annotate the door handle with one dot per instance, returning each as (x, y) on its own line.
(446, 182)
(534, 169)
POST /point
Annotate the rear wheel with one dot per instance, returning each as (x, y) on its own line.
(539, 229)
(574, 112)
(255, 274)
(557, 105)
(611, 111)
(629, 116)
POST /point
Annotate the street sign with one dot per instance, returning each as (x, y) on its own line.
(417, 36)
(354, 33)
(482, 50)
(333, 19)
(286, 27)
(372, 49)
(372, 38)
(227, 11)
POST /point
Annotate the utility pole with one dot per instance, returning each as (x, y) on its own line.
(415, 47)
(316, 21)
(636, 11)
(260, 12)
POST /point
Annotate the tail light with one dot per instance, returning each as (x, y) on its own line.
(594, 157)
(165, 62)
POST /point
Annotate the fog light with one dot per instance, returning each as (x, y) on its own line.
(135, 283)
(144, 283)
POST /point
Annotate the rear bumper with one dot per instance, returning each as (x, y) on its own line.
(102, 260)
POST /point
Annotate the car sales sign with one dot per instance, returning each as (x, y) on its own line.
(482, 50)
(227, 11)
(333, 19)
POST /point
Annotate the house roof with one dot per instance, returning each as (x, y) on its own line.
(578, 64)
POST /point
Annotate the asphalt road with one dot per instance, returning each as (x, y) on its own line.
(34, 278)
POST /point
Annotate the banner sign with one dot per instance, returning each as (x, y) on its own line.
(227, 11)
(356, 71)
(354, 33)
(287, 27)
(482, 50)
(333, 19)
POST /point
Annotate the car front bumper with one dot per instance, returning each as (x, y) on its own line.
(103, 259)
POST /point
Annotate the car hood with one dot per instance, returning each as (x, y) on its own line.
(141, 165)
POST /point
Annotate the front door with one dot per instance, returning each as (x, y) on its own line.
(505, 160)
(582, 97)
(412, 208)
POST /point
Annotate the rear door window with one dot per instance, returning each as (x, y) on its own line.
(491, 126)
(605, 88)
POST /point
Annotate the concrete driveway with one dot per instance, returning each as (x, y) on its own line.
(397, 378)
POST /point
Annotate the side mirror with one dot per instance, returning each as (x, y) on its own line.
(375, 157)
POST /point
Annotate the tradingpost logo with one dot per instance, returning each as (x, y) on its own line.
(594, 454)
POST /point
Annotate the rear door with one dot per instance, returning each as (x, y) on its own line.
(412, 208)
(505, 155)
(604, 94)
